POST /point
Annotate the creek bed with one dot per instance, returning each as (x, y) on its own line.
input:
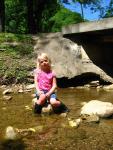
(56, 134)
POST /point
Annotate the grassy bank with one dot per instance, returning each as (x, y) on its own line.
(16, 58)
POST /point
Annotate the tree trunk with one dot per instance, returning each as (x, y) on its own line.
(38, 9)
(30, 18)
(2, 16)
(82, 12)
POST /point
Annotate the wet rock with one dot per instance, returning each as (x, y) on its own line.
(90, 118)
(5, 97)
(28, 108)
(10, 133)
(80, 87)
(21, 88)
(64, 115)
(74, 122)
(94, 83)
(25, 132)
(108, 87)
(47, 110)
(3, 86)
(7, 91)
(34, 101)
(39, 128)
(27, 90)
(31, 86)
(20, 91)
(29, 131)
(99, 108)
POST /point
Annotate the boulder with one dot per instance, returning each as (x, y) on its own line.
(99, 108)
(68, 58)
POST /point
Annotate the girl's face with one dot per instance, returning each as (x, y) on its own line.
(44, 63)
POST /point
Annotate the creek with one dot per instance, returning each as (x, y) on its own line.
(56, 134)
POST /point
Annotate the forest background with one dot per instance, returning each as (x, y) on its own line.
(36, 16)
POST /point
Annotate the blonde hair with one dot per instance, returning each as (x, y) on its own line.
(43, 56)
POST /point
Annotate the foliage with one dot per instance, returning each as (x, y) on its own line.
(10, 37)
(83, 2)
(15, 52)
(108, 11)
(23, 15)
(16, 44)
(26, 16)
(15, 19)
(93, 4)
(64, 17)
(19, 74)
(50, 9)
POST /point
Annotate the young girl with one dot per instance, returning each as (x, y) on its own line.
(45, 83)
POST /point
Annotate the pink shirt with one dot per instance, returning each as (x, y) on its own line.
(44, 79)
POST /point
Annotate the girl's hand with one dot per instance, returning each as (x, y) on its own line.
(40, 92)
(47, 95)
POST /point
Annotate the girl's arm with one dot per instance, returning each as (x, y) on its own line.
(54, 86)
(36, 84)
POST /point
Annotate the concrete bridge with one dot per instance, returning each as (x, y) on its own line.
(96, 37)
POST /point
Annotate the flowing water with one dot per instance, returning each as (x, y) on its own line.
(55, 133)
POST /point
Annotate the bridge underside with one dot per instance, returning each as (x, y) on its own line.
(98, 45)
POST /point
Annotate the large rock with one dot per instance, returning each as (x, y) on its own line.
(99, 108)
(68, 58)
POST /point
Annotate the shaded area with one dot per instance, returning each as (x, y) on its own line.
(80, 80)
(98, 45)
(12, 145)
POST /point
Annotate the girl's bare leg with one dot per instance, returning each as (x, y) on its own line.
(39, 103)
(41, 100)
(54, 102)
(58, 107)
